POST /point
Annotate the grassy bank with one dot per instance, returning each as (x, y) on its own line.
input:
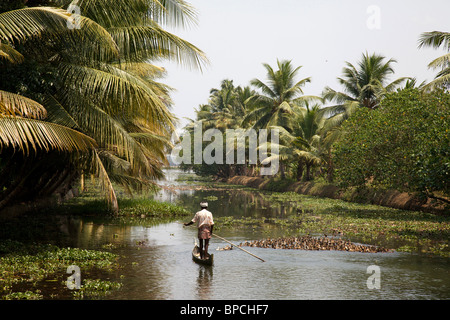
(367, 195)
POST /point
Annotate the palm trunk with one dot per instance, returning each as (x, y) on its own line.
(82, 185)
(299, 170)
(17, 186)
(308, 171)
(330, 171)
(282, 174)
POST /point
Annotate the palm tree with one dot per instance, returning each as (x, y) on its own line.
(364, 86)
(222, 103)
(228, 105)
(437, 39)
(302, 143)
(102, 84)
(278, 96)
(225, 109)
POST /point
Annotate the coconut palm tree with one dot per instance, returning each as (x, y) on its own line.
(302, 143)
(222, 103)
(364, 86)
(228, 105)
(274, 104)
(437, 39)
(101, 82)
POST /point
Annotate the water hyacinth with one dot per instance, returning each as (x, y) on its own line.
(34, 263)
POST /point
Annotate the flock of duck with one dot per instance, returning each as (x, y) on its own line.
(312, 243)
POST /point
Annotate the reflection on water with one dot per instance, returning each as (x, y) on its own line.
(156, 261)
(222, 202)
(204, 282)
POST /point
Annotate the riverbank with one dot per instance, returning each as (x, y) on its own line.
(386, 198)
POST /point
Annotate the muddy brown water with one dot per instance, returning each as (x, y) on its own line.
(156, 260)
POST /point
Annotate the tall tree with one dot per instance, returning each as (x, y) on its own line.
(93, 76)
(228, 104)
(274, 103)
(363, 85)
(404, 145)
(302, 144)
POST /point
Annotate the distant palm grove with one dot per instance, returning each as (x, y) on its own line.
(372, 131)
(81, 97)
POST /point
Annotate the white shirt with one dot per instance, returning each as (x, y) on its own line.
(203, 217)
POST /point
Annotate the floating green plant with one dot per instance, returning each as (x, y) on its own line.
(94, 289)
(408, 231)
(27, 264)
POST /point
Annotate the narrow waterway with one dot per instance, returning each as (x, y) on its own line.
(156, 260)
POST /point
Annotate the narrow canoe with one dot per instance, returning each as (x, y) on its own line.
(196, 257)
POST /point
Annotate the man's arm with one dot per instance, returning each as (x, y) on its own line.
(194, 219)
(212, 227)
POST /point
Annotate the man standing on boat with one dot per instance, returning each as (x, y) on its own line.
(205, 225)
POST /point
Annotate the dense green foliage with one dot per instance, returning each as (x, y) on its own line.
(79, 93)
(307, 127)
(277, 104)
(403, 145)
(375, 132)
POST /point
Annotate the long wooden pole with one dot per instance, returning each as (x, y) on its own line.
(215, 235)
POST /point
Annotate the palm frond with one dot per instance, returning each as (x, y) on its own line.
(297, 88)
(177, 13)
(306, 99)
(435, 39)
(24, 24)
(396, 83)
(152, 42)
(142, 69)
(117, 92)
(108, 132)
(441, 62)
(8, 53)
(26, 134)
(264, 87)
(105, 182)
(58, 114)
(441, 81)
(14, 104)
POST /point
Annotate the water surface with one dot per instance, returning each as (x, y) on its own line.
(156, 260)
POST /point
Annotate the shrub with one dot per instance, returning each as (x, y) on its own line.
(402, 145)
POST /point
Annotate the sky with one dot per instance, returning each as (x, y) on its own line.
(238, 36)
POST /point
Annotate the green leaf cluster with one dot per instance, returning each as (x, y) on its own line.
(85, 85)
(402, 145)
